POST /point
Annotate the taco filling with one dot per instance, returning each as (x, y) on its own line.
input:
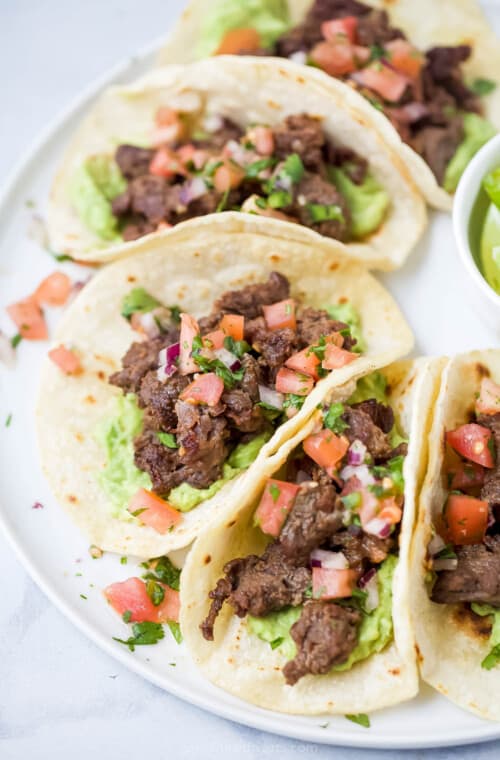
(203, 396)
(424, 95)
(464, 554)
(196, 167)
(321, 592)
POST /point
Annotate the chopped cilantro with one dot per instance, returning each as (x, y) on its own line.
(175, 314)
(446, 552)
(8, 420)
(351, 500)
(253, 170)
(237, 347)
(293, 167)
(325, 213)
(222, 203)
(482, 86)
(155, 591)
(333, 418)
(277, 642)
(279, 199)
(361, 719)
(377, 51)
(126, 616)
(261, 203)
(275, 492)
(292, 400)
(230, 377)
(210, 169)
(138, 300)
(356, 600)
(123, 560)
(394, 471)
(163, 570)
(143, 634)
(175, 630)
(15, 340)
(168, 440)
(83, 596)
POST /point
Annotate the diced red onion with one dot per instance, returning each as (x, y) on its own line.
(378, 527)
(300, 56)
(410, 113)
(447, 563)
(372, 598)
(356, 453)
(436, 544)
(166, 359)
(213, 122)
(7, 352)
(271, 397)
(192, 190)
(361, 472)
(229, 359)
(145, 323)
(238, 153)
(366, 578)
(329, 560)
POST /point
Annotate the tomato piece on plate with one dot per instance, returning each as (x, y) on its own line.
(326, 448)
(54, 290)
(489, 397)
(214, 340)
(328, 583)
(473, 442)
(228, 176)
(340, 27)
(153, 511)
(336, 357)
(304, 361)
(274, 505)
(288, 381)
(236, 40)
(389, 84)
(466, 519)
(131, 596)
(336, 57)
(205, 389)
(405, 58)
(233, 325)
(281, 314)
(66, 360)
(189, 329)
(465, 475)
(29, 319)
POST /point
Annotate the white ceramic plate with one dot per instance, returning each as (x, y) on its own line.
(432, 290)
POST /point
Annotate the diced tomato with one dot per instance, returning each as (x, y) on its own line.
(263, 139)
(274, 505)
(228, 176)
(66, 360)
(336, 58)
(465, 475)
(288, 381)
(336, 357)
(361, 54)
(335, 339)
(28, 317)
(404, 57)
(206, 389)
(54, 290)
(281, 314)
(466, 519)
(131, 596)
(189, 329)
(164, 226)
(233, 325)
(489, 397)
(214, 340)
(389, 84)
(165, 164)
(343, 27)
(473, 442)
(326, 448)
(236, 40)
(155, 512)
(328, 583)
(390, 511)
(304, 361)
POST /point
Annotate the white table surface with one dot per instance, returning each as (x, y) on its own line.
(60, 696)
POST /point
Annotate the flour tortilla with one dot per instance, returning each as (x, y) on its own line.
(426, 23)
(191, 271)
(449, 651)
(246, 666)
(246, 90)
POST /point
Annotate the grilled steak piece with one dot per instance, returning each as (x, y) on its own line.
(313, 323)
(301, 134)
(437, 145)
(325, 635)
(202, 439)
(315, 516)
(381, 414)
(358, 546)
(490, 492)
(140, 358)
(133, 161)
(159, 398)
(476, 577)
(363, 428)
(313, 190)
(248, 301)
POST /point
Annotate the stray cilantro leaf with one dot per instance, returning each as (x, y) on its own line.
(325, 213)
(138, 300)
(126, 616)
(8, 420)
(491, 659)
(123, 560)
(237, 347)
(482, 86)
(446, 552)
(222, 203)
(333, 418)
(168, 440)
(163, 570)
(15, 340)
(155, 592)
(60, 256)
(83, 596)
(275, 492)
(175, 630)
(361, 719)
(143, 634)
(276, 642)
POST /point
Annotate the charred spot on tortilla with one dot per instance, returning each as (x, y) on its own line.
(131, 278)
(482, 370)
(473, 625)
(207, 559)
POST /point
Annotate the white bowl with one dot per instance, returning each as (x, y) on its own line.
(486, 300)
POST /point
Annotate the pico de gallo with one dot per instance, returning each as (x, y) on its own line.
(322, 590)
(464, 553)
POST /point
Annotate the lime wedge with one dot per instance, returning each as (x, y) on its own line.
(490, 248)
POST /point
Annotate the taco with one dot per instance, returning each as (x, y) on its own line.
(456, 548)
(231, 136)
(429, 70)
(191, 361)
(297, 598)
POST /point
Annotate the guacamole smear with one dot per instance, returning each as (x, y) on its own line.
(477, 132)
(121, 479)
(493, 658)
(95, 183)
(368, 202)
(346, 312)
(374, 633)
(185, 497)
(268, 17)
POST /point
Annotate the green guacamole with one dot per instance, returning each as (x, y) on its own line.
(121, 479)
(95, 183)
(346, 312)
(484, 229)
(268, 17)
(375, 631)
(493, 658)
(477, 132)
(368, 202)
